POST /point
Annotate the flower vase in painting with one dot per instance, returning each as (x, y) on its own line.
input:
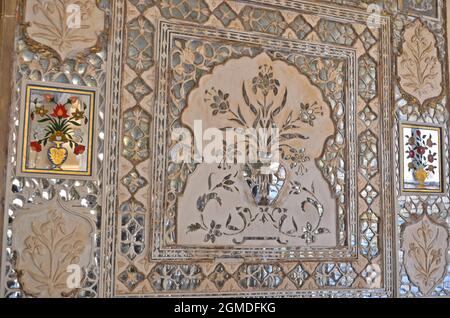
(422, 170)
(58, 131)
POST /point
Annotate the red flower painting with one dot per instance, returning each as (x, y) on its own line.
(60, 111)
(79, 150)
(35, 146)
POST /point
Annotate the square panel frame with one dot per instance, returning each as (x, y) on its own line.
(388, 259)
(160, 251)
(417, 191)
(22, 170)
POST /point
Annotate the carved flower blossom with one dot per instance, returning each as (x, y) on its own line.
(265, 81)
(219, 101)
(297, 155)
(214, 232)
(309, 112)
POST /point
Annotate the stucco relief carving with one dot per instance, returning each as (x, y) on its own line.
(50, 239)
(425, 244)
(295, 204)
(418, 66)
(66, 26)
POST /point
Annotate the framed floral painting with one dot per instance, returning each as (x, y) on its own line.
(57, 130)
(421, 156)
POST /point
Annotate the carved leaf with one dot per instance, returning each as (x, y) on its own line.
(418, 66)
(64, 25)
(425, 247)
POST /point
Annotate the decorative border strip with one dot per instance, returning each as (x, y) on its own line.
(110, 178)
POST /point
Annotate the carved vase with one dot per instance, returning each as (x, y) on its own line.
(266, 180)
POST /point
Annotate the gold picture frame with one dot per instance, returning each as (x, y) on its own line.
(57, 131)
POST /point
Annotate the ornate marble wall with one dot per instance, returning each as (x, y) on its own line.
(357, 205)
(7, 25)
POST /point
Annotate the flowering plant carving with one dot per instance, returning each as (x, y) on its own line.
(419, 67)
(265, 113)
(261, 99)
(425, 244)
(220, 103)
(265, 81)
(49, 250)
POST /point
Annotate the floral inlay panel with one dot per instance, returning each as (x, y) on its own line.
(422, 158)
(58, 130)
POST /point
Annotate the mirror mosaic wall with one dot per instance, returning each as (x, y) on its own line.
(356, 205)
